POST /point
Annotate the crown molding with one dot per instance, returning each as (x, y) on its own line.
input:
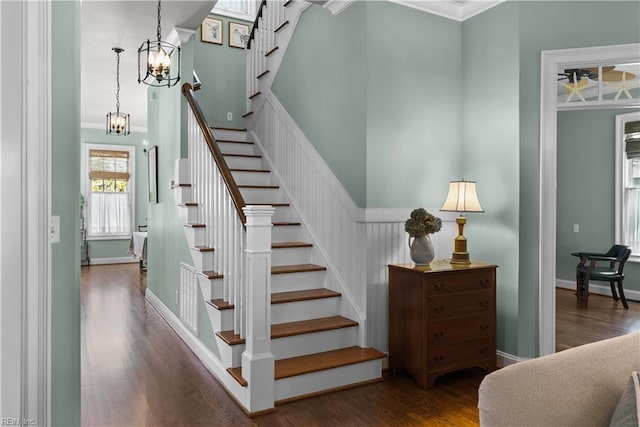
(449, 9)
(179, 35)
(337, 6)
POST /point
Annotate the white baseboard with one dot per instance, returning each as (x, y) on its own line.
(598, 289)
(205, 355)
(118, 260)
(505, 359)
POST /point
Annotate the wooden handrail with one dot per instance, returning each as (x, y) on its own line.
(263, 3)
(236, 196)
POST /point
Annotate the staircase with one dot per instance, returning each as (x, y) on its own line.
(313, 344)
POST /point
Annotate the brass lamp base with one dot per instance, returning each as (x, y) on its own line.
(460, 254)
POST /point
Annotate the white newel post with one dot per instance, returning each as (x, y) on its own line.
(257, 360)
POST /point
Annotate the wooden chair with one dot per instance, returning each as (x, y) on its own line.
(617, 256)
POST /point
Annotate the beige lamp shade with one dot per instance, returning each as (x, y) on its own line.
(462, 197)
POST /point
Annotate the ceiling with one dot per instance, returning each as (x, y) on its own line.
(126, 24)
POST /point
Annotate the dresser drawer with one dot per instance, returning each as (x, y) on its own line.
(442, 357)
(455, 282)
(461, 303)
(462, 328)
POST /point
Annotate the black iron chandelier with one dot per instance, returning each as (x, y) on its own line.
(118, 124)
(158, 61)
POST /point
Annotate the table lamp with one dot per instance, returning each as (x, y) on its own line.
(462, 198)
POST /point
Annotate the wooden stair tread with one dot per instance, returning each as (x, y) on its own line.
(289, 245)
(232, 129)
(272, 51)
(212, 275)
(236, 373)
(300, 327)
(247, 114)
(316, 362)
(230, 141)
(306, 295)
(258, 93)
(220, 304)
(251, 170)
(193, 225)
(258, 186)
(188, 204)
(300, 365)
(285, 224)
(287, 3)
(203, 249)
(251, 156)
(174, 185)
(262, 74)
(296, 268)
(281, 26)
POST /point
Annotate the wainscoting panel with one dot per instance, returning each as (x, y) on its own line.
(189, 297)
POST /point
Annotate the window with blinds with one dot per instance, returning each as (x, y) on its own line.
(109, 174)
(630, 181)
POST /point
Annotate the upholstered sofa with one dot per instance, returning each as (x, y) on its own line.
(577, 387)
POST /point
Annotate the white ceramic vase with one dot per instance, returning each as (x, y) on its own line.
(421, 250)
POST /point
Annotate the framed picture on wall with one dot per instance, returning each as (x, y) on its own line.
(153, 174)
(211, 31)
(238, 35)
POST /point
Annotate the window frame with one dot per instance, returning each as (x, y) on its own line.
(622, 172)
(86, 187)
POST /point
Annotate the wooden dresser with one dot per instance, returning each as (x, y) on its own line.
(442, 318)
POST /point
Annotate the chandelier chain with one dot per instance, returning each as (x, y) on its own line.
(118, 82)
(159, 32)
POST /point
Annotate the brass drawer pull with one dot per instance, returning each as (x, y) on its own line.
(484, 282)
(438, 310)
(438, 334)
(483, 304)
(439, 358)
(438, 286)
(484, 327)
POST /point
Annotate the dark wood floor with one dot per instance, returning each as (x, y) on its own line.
(136, 371)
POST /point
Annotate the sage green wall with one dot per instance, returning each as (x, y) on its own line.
(546, 26)
(413, 106)
(322, 84)
(120, 248)
(166, 243)
(65, 203)
(586, 180)
(490, 55)
(221, 70)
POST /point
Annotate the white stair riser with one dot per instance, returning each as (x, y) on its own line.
(230, 355)
(221, 320)
(203, 261)
(235, 148)
(206, 287)
(284, 214)
(291, 256)
(188, 214)
(262, 196)
(314, 382)
(297, 281)
(182, 194)
(231, 135)
(195, 236)
(252, 178)
(243, 162)
(287, 233)
(305, 310)
(300, 345)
